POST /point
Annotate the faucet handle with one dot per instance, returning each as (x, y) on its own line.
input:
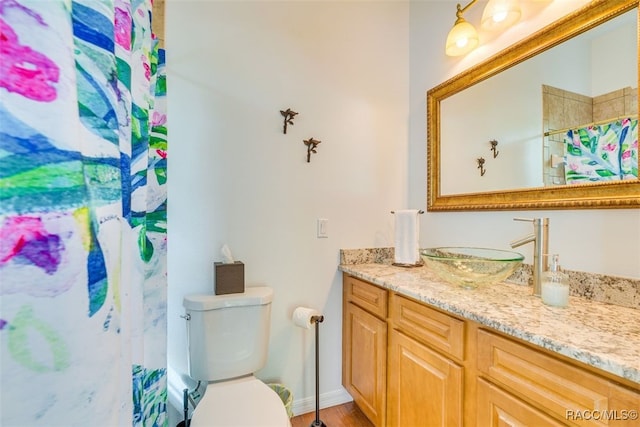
(524, 219)
(539, 221)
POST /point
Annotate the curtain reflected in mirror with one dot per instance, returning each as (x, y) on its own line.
(603, 148)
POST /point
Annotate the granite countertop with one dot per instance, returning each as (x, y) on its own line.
(601, 335)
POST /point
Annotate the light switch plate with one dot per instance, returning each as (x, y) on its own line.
(323, 231)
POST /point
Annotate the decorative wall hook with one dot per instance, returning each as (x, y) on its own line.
(311, 147)
(494, 145)
(288, 115)
(481, 166)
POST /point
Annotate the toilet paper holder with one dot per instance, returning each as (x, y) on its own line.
(304, 317)
(317, 319)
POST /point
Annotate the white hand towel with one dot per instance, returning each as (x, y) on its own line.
(407, 231)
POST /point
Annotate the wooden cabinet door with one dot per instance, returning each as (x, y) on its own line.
(424, 387)
(497, 408)
(365, 362)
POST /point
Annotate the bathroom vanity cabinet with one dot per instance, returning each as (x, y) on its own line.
(426, 366)
(364, 346)
(406, 363)
(519, 385)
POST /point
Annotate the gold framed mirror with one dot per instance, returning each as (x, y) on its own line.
(623, 193)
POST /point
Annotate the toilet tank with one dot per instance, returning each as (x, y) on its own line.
(228, 335)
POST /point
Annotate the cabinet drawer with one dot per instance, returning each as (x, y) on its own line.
(365, 295)
(497, 408)
(432, 327)
(625, 403)
(555, 386)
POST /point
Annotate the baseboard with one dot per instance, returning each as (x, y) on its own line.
(328, 399)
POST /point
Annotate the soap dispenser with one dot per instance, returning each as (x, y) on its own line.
(555, 285)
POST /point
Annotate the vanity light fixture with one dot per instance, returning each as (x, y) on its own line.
(463, 37)
(497, 15)
(500, 14)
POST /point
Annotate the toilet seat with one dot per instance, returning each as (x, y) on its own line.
(241, 402)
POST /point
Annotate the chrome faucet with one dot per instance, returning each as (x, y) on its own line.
(540, 239)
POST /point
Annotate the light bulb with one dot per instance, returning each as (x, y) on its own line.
(499, 17)
(462, 39)
(500, 14)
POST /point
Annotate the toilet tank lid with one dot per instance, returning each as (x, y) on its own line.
(258, 295)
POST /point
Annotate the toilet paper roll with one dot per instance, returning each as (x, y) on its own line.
(302, 317)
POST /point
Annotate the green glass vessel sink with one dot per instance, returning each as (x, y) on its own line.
(471, 267)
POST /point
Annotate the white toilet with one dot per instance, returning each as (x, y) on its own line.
(228, 339)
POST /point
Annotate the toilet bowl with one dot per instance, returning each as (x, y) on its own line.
(228, 340)
(242, 402)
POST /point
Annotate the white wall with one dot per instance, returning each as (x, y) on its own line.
(604, 48)
(357, 72)
(236, 178)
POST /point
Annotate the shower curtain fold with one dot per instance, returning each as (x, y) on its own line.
(83, 162)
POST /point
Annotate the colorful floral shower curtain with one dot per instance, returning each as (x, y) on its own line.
(604, 152)
(83, 160)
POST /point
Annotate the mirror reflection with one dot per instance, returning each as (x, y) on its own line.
(567, 116)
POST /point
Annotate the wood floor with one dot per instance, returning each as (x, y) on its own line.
(345, 415)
